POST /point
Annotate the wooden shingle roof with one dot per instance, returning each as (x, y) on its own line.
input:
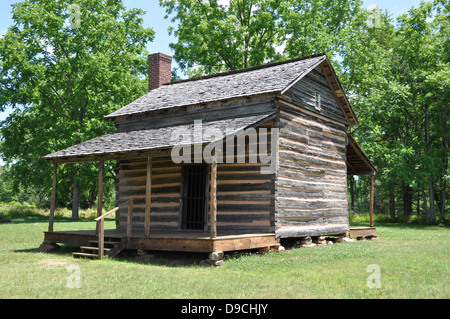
(357, 161)
(140, 142)
(274, 78)
(270, 78)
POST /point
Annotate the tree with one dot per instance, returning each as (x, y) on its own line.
(399, 82)
(316, 26)
(213, 36)
(63, 67)
(423, 69)
(396, 76)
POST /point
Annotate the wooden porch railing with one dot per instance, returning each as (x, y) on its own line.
(101, 226)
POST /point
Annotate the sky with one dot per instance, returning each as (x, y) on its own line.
(154, 18)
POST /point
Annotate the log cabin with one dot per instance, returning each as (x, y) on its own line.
(231, 161)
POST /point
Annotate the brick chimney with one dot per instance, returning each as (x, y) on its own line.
(159, 71)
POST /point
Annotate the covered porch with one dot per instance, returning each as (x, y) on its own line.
(160, 240)
(147, 147)
(359, 164)
(95, 243)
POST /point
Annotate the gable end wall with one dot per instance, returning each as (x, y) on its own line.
(311, 183)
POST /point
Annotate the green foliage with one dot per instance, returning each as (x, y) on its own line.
(5, 188)
(395, 73)
(61, 81)
(402, 104)
(212, 37)
(215, 37)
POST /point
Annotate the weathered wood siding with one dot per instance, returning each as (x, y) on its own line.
(311, 184)
(212, 112)
(306, 196)
(303, 93)
(166, 187)
(245, 197)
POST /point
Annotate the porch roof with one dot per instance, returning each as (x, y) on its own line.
(152, 142)
(357, 161)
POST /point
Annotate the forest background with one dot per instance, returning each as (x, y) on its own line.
(57, 82)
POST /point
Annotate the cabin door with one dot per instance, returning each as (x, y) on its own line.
(194, 197)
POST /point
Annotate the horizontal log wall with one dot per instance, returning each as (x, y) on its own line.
(311, 184)
(166, 188)
(245, 197)
(211, 112)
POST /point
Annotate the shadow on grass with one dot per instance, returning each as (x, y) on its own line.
(154, 258)
(174, 259)
(163, 258)
(26, 250)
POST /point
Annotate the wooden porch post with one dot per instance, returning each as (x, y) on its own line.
(130, 220)
(213, 200)
(100, 188)
(53, 200)
(148, 196)
(371, 201)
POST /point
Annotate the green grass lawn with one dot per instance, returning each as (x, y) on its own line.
(413, 263)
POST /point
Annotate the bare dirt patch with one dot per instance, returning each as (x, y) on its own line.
(52, 262)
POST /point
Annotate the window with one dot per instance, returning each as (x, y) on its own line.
(318, 101)
(194, 197)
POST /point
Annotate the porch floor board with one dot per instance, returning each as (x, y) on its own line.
(188, 241)
(362, 232)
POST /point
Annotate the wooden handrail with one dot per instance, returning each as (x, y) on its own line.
(106, 214)
(112, 210)
(101, 226)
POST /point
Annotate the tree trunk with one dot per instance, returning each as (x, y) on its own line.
(407, 200)
(76, 194)
(444, 184)
(352, 193)
(443, 202)
(392, 199)
(430, 181)
(425, 206)
(444, 181)
(418, 202)
(76, 200)
(432, 207)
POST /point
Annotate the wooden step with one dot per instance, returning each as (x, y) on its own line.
(87, 255)
(91, 248)
(106, 242)
(111, 249)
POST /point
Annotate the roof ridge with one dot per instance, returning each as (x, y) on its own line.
(258, 67)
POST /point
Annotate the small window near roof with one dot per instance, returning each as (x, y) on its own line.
(318, 105)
